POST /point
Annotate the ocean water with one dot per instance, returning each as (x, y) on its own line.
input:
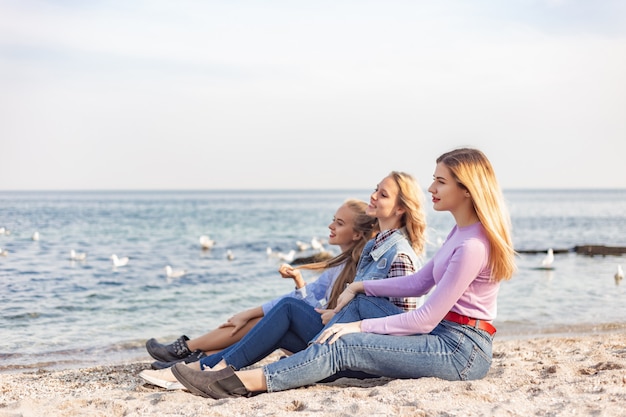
(55, 312)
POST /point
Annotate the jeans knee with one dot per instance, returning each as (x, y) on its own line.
(371, 307)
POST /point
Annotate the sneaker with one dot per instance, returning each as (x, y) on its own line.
(167, 353)
(195, 356)
(158, 378)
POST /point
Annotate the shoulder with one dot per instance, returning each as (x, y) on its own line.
(471, 239)
(334, 271)
(475, 245)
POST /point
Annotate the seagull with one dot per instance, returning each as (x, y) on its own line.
(35, 236)
(119, 261)
(4, 252)
(619, 275)
(206, 242)
(302, 246)
(316, 244)
(229, 255)
(77, 256)
(4, 231)
(546, 263)
(171, 273)
(287, 257)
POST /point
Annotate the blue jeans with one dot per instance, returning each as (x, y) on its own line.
(289, 325)
(363, 307)
(451, 351)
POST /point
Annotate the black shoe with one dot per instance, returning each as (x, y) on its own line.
(194, 357)
(211, 384)
(167, 353)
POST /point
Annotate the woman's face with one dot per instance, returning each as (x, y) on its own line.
(383, 201)
(342, 228)
(447, 194)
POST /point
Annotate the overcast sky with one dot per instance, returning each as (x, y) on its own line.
(331, 94)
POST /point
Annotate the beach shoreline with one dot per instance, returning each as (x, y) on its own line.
(572, 375)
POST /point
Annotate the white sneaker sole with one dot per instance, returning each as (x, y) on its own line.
(168, 385)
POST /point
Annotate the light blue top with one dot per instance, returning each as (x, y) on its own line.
(315, 294)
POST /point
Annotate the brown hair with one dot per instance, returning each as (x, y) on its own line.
(367, 227)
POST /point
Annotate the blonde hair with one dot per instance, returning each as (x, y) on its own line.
(411, 198)
(367, 227)
(473, 172)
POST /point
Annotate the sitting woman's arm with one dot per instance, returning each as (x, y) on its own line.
(463, 267)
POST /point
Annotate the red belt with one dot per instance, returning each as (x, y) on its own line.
(479, 324)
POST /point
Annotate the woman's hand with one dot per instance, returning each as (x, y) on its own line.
(288, 271)
(236, 322)
(326, 315)
(337, 330)
(348, 295)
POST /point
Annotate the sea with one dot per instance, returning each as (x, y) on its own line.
(61, 313)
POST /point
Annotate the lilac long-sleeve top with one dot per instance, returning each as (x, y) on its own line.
(460, 276)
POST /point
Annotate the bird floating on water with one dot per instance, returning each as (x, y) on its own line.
(316, 244)
(4, 252)
(287, 257)
(174, 273)
(302, 246)
(206, 242)
(619, 275)
(35, 236)
(77, 256)
(119, 261)
(546, 263)
(4, 231)
(229, 255)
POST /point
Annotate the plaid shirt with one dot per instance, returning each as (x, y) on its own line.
(400, 267)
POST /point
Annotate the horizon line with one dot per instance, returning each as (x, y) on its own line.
(161, 190)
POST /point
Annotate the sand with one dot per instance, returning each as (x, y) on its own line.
(582, 375)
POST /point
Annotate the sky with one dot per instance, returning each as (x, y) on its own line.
(328, 94)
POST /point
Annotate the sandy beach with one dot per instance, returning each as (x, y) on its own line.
(581, 375)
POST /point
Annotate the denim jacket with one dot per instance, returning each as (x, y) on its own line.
(375, 264)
